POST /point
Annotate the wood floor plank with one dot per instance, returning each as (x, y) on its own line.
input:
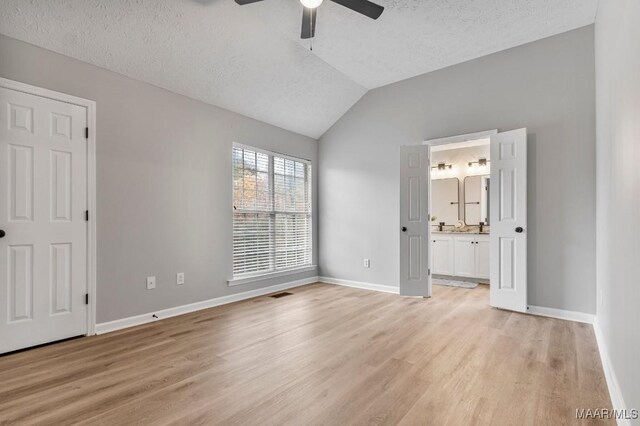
(322, 356)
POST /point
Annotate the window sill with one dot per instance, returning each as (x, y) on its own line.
(254, 278)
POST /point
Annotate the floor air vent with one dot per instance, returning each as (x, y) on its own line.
(279, 295)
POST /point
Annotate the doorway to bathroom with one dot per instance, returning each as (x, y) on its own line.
(459, 214)
(463, 215)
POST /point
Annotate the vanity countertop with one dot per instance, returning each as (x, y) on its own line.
(467, 230)
(475, 232)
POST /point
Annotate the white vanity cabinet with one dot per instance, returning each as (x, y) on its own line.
(482, 256)
(464, 256)
(442, 254)
(460, 255)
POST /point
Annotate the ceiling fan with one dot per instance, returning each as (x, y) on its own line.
(364, 7)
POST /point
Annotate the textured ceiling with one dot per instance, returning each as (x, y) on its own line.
(249, 59)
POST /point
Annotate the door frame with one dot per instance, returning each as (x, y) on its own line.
(485, 134)
(91, 182)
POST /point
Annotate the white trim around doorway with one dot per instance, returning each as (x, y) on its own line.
(461, 138)
(440, 143)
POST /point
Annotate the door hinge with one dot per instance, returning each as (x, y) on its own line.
(429, 271)
(86, 215)
(86, 133)
(86, 298)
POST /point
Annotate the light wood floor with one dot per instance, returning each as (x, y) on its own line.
(326, 355)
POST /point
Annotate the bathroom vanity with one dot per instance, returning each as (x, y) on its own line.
(460, 254)
(459, 245)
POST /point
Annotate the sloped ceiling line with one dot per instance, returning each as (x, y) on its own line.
(250, 59)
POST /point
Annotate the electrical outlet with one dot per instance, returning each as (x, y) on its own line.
(367, 263)
(151, 283)
(180, 278)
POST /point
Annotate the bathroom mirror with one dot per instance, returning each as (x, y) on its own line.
(445, 200)
(476, 199)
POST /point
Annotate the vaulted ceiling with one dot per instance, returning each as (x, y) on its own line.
(250, 59)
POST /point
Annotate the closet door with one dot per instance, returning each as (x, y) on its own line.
(43, 232)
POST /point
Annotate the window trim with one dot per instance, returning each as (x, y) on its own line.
(264, 275)
(267, 152)
(251, 278)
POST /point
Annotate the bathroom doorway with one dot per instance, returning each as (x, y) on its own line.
(460, 210)
(473, 189)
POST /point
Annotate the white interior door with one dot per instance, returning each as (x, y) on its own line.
(43, 197)
(414, 221)
(508, 240)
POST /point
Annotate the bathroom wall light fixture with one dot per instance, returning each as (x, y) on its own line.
(480, 162)
(442, 166)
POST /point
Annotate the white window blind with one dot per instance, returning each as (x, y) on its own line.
(271, 212)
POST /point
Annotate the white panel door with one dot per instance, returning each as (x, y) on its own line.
(43, 199)
(414, 221)
(509, 220)
(482, 257)
(442, 255)
(464, 262)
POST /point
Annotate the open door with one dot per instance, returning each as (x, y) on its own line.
(414, 221)
(509, 220)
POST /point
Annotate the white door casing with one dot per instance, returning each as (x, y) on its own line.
(414, 221)
(508, 237)
(43, 196)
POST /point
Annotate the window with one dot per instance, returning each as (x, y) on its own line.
(271, 212)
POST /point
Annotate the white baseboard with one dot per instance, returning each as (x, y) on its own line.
(360, 284)
(534, 310)
(561, 314)
(119, 324)
(610, 375)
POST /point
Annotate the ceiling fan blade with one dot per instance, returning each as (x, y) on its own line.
(308, 23)
(243, 2)
(364, 7)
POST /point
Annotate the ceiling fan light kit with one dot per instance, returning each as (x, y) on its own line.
(311, 4)
(364, 7)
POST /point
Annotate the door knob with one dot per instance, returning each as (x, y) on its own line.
(519, 229)
(404, 229)
(2, 233)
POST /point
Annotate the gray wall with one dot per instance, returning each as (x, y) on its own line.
(163, 181)
(546, 86)
(618, 189)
